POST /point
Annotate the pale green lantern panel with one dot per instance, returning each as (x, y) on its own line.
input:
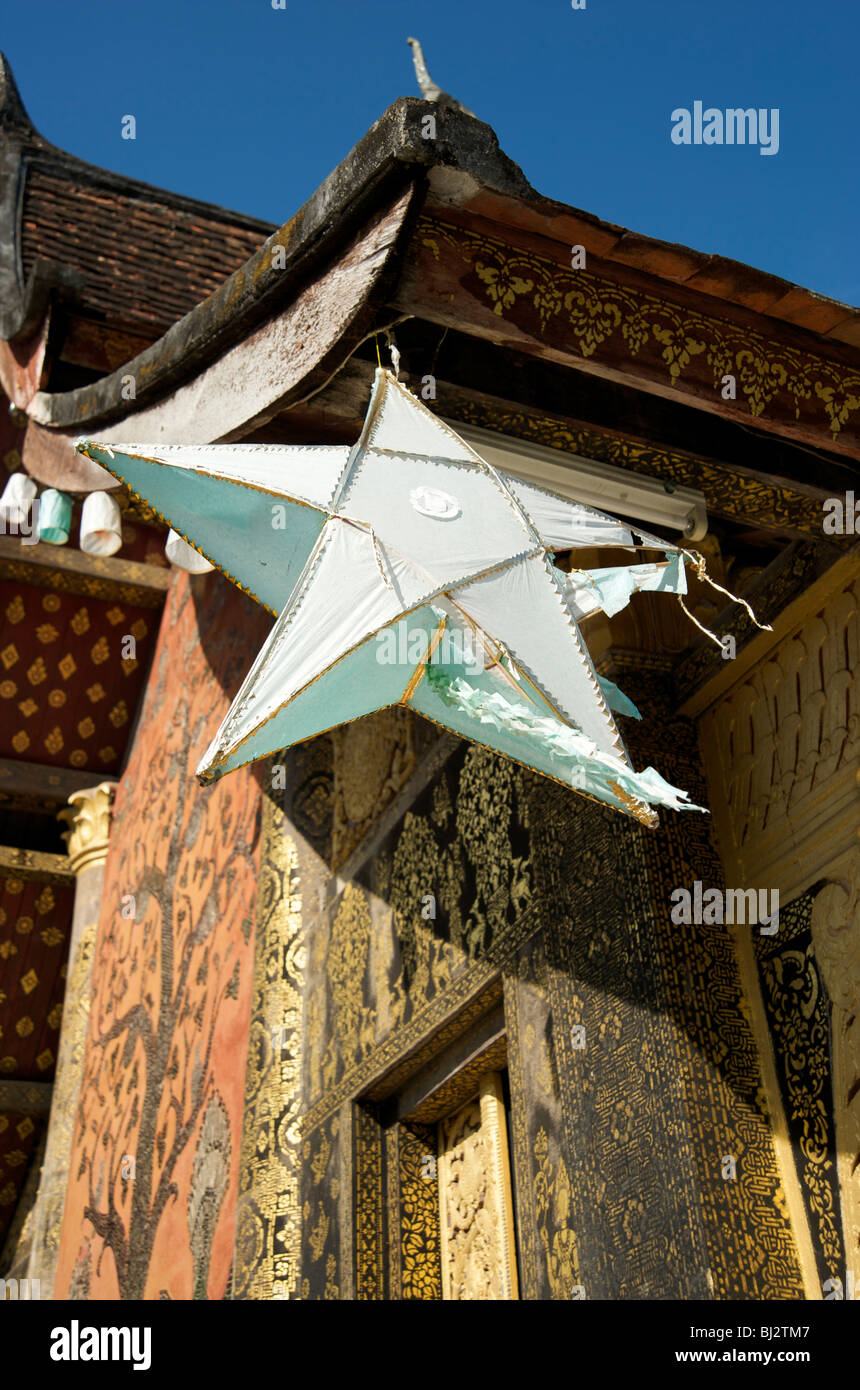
(374, 558)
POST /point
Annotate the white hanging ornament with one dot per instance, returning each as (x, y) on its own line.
(101, 524)
(184, 556)
(17, 497)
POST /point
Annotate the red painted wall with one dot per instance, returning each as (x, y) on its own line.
(151, 1198)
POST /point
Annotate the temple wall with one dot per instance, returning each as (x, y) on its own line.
(781, 751)
(150, 1205)
(624, 1040)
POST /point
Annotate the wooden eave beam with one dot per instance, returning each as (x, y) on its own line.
(72, 571)
(520, 291)
(754, 500)
(35, 864)
(41, 782)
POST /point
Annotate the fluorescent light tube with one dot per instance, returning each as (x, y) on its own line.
(647, 500)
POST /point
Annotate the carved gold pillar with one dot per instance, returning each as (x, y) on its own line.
(476, 1222)
(88, 815)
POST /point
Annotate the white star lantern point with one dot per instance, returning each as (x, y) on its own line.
(409, 543)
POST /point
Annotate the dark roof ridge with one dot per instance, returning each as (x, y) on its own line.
(394, 151)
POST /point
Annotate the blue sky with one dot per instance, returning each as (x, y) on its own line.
(248, 106)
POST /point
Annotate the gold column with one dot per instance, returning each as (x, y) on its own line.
(88, 815)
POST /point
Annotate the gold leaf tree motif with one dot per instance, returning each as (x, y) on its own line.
(678, 348)
(415, 873)
(552, 1200)
(760, 379)
(421, 1276)
(548, 299)
(317, 1236)
(319, 1162)
(503, 284)
(592, 317)
(636, 330)
(331, 1290)
(839, 404)
(599, 308)
(346, 965)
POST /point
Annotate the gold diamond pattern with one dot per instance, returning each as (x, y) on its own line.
(9, 655)
(24, 1128)
(119, 715)
(54, 1016)
(44, 1059)
(86, 728)
(54, 741)
(67, 667)
(45, 900)
(29, 981)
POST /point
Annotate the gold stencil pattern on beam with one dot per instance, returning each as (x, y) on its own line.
(601, 312)
(726, 491)
(268, 1219)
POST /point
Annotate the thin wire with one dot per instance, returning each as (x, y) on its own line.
(402, 318)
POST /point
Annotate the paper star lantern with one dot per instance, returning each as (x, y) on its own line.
(406, 570)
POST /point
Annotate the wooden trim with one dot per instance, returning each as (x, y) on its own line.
(73, 571)
(33, 864)
(26, 1097)
(54, 784)
(423, 1099)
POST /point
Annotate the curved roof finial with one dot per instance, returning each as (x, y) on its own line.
(13, 113)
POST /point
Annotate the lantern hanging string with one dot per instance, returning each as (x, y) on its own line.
(702, 573)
